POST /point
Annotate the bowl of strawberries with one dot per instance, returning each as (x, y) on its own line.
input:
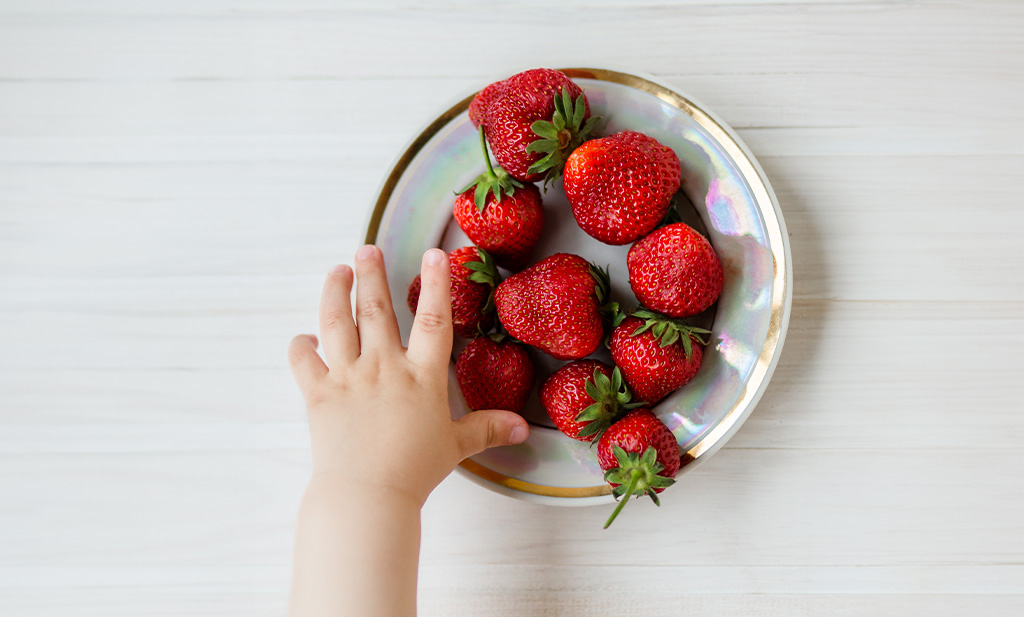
(621, 276)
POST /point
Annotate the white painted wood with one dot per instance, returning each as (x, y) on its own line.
(175, 178)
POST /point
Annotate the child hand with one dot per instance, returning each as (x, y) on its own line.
(378, 413)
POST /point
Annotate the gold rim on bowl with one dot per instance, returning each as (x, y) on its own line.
(774, 227)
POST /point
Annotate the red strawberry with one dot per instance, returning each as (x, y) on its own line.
(413, 298)
(675, 271)
(501, 215)
(640, 456)
(666, 158)
(473, 279)
(555, 305)
(483, 99)
(495, 372)
(656, 354)
(536, 119)
(584, 398)
(620, 187)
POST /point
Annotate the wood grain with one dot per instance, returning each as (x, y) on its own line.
(176, 177)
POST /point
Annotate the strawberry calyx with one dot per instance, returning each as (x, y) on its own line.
(497, 182)
(611, 314)
(603, 291)
(561, 135)
(669, 330)
(499, 333)
(637, 474)
(486, 273)
(611, 401)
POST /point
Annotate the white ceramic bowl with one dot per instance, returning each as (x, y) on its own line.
(731, 201)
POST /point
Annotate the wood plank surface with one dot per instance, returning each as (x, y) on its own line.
(176, 178)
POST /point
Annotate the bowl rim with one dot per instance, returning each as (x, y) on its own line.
(778, 238)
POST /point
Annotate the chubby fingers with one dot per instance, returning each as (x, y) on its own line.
(479, 430)
(375, 317)
(307, 367)
(337, 329)
(430, 343)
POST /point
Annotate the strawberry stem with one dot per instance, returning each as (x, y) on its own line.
(634, 478)
(487, 156)
(490, 182)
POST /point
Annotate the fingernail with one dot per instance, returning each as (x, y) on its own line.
(433, 257)
(518, 434)
(338, 269)
(365, 252)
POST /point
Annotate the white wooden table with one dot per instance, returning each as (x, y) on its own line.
(176, 177)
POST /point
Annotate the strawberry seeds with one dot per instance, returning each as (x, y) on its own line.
(620, 187)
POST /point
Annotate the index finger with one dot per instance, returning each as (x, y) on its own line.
(337, 329)
(430, 342)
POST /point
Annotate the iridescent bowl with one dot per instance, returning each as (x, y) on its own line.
(731, 202)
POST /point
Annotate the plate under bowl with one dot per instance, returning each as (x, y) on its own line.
(731, 200)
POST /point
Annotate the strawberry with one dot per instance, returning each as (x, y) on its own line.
(495, 372)
(667, 159)
(620, 187)
(656, 353)
(533, 120)
(639, 456)
(413, 298)
(478, 106)
(501, 215)
(675, 271)
(556, 306)
(584, 398)
(473, 277)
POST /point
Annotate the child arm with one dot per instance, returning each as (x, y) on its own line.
(381, 438)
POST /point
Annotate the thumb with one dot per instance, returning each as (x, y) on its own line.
(479, 430)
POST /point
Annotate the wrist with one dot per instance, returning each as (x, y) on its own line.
(339, 485)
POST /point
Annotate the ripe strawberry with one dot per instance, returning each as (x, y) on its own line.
(473, 278)
(584, 398)
(495, 372)
(533, 120)
(501, 215)
(478, 106)
(656, 354)
(621, 186)
(666, 158)
(413, 298)
(640, 456)
(675, 271)
(555, 305)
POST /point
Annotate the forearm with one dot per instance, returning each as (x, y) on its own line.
(356, 554)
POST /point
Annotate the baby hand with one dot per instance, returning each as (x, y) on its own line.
(378, 412)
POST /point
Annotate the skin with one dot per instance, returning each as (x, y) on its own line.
(381, 438)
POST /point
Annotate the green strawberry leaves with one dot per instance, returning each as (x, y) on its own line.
(668, 330)
(611, 313)
(559, 137)
(497, 182)
(484, 272)
(637, 474)
(602, 283)
(603, 291)
(612, 399)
